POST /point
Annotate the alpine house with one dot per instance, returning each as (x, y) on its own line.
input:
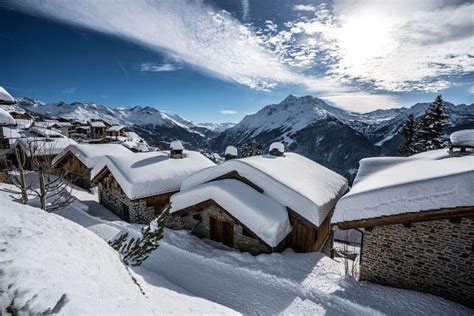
(79, 160)
(136, 187)
(261, 204)
(417, 218)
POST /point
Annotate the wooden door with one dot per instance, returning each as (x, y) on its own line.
(228, 234)
(221, 230)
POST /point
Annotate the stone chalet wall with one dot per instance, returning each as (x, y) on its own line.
(202, 229)
(138, 211)
(431, 256)
(82, 180)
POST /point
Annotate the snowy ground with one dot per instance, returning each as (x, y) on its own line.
(189, 275)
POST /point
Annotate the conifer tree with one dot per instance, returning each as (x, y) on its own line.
(408, 131)
(432, 125)
(134, 251)
(249, 149)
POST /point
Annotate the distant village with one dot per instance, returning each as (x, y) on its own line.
(411, 217)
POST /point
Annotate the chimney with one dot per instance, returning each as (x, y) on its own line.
(461, 143)
(176, 150)
(277, 149)
(230, 153)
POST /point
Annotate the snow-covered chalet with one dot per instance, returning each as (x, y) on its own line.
(261, 204)
(136, 187)
(417, 218)
(78, 160)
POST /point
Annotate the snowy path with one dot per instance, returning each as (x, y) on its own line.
(266, 284)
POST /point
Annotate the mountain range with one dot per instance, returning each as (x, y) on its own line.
(307, 125)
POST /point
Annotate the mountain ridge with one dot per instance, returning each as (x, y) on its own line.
(308, 125)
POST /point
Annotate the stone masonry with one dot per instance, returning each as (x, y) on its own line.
(138, 211)
(431, 256)
(201, 228)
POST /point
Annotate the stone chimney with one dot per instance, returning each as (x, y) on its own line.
(230, 153)
(277, 149)
(176, 150)
(461, 143)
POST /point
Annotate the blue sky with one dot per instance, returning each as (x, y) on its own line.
(220, 60)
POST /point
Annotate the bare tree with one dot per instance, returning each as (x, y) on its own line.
(18, 175)
(53, 190)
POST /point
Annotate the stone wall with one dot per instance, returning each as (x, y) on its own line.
(82, 180)
(138, 211)
(201, 228)
(432, 256)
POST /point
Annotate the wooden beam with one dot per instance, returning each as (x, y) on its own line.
(444, 213)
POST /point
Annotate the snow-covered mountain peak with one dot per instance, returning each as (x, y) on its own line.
(291, 115)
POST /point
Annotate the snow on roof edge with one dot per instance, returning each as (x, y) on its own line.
(264, 216)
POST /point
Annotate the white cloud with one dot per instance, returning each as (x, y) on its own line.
(71, 90)
(471, 89)
(153, 67)
(304, 7)
(363, 101)
(389, 45)
(228, 112)
(380, 45)
(190, 31)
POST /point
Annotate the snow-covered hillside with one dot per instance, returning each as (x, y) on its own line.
(154, 125)
(52, 265)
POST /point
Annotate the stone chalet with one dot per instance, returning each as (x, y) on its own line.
(98, 128)
(416, 215)
(261, 204)
(80, 159)
(136, 187)
(6, 121)
(116, 131)
(42, 148)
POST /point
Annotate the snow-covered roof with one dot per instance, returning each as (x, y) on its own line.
(44, 146)
(97, 124)
(5, 97)
(115, 128)
(45, 124)
(231, 150)
(9, 132)
(6, 118)
(147, 174)
(91, 154)
(261, 214)
(23, 123)
(62, 124)
(463, 137)
(176, 145)
(411, 184)
(45, 132)
(136, 145)
(277, 146)
(299, 183)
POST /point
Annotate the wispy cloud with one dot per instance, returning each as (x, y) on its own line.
(304, 7)
(210, 40)
(70, 90)
(345, 47)
(228, 112)
(154, 67)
